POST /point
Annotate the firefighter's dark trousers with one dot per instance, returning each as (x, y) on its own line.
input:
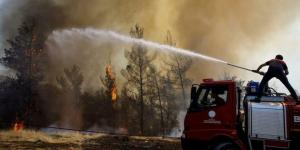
(282, 77)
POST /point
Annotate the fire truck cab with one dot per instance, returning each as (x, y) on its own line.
(223, 116)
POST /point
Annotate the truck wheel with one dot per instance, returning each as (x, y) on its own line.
(225, 146)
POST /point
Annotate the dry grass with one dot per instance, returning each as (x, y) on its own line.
(28, 139)
(57, 138)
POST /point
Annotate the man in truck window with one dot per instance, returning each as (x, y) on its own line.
(216, 99)
(278, 69)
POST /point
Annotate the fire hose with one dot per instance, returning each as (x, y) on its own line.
(255, 71)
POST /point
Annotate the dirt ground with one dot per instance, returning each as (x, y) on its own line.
(72, 140)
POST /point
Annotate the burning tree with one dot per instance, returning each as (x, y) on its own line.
(109, 81)
(111, 95)
(137, 72)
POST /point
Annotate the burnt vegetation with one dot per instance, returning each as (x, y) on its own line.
(147, 104)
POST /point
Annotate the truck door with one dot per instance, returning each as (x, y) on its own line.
(212, 111)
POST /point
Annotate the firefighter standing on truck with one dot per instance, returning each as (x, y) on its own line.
(278, 69)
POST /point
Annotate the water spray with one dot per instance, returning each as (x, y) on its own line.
(92, 33)
(115, 36)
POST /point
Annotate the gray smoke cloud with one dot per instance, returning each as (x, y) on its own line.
(236, 31)
(230, 30)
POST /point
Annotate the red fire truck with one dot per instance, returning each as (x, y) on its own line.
(222, 116)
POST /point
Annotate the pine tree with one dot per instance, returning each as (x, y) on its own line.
(137, 72)
(25, 54)
(70, 83)
(25, 57)
(170, 103)
(178, 65)
(155, 88)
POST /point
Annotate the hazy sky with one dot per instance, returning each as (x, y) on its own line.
(245, 33)
(1, 38)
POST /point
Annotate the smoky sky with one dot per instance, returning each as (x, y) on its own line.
(241, 32)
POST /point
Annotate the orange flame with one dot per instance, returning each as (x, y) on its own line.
(114, 94)
(111, 76)
(18, 126)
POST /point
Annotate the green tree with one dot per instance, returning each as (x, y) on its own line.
(70, 83)
(178, 67)
(137, 72)
(156, 88)
(128, 119)
(170, 103)
(25, 56)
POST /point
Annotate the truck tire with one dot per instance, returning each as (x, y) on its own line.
(225, 146)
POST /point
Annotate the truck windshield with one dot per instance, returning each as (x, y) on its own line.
(207, 97)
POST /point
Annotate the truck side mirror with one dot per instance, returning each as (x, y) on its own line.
(193, 92)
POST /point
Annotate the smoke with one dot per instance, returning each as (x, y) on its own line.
(228, 30)
(234, 31)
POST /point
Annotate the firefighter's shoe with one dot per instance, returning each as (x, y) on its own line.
(257, 100)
